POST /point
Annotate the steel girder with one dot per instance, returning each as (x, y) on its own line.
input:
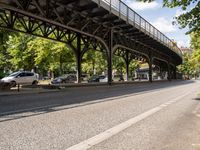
(63, 21)
(83, 16)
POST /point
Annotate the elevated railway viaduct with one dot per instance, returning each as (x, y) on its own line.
(106, 25)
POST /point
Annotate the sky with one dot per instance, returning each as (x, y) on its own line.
(161, 18)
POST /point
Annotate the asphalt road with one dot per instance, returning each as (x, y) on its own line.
(145, 116)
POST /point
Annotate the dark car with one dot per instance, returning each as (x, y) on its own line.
(68, 78)
(94, 78)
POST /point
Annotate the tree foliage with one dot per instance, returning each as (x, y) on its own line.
(94, 62)
(191, 62)
(26, 52)
(4, 55)
(20, 51)
(195, 58)
(22, 56)
(119, 65)
(186, 68)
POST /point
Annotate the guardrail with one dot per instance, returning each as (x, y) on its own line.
(120, 9)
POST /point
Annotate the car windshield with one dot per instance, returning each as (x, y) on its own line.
(14, 74)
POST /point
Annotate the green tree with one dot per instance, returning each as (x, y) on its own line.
(52, 56)
(119, 65)
(195, 40)
(22, 56)
(134, 64)
(187, 67)
(94, 62)
(64, 58)
(195, 58)
(191, 62)
(4, 54)
(29, 52)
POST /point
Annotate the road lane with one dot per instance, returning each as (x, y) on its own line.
(62, 128)
(15, 103)
(84, 145)
(177, 127)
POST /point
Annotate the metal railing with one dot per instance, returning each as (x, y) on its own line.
(120, 9)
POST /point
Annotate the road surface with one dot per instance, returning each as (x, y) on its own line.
(164, 115)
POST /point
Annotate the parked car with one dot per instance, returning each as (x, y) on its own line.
(94, 78)
(22, 77)
(103, 78)
(68, 78)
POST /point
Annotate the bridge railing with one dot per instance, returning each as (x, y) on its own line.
(120, 9)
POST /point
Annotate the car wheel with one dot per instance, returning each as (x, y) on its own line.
(13, 83)
(35, 83)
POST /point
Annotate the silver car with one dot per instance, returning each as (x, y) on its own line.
(22, 78)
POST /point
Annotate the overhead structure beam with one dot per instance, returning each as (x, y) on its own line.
(106, 26)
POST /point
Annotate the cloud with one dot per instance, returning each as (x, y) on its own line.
(142, 5)
(183, 43)
(179, 12)
(164, 25)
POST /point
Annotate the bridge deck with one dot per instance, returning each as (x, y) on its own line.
(107, 25)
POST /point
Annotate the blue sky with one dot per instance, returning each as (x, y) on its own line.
(162, 19)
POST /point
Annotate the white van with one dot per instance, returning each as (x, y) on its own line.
(22, 77)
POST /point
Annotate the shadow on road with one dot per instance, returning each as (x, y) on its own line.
(16, 107)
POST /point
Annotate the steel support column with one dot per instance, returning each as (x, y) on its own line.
(78, 58)
(175, 76)
(127, 61)
(150, 67)
(168, 71)
(110, 54)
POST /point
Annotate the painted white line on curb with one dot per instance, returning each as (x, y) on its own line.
(84, 145)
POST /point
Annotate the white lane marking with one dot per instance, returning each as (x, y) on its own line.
(28, 109)
(84, 145)
(196, 145)
(163, 105)
(170, 102)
